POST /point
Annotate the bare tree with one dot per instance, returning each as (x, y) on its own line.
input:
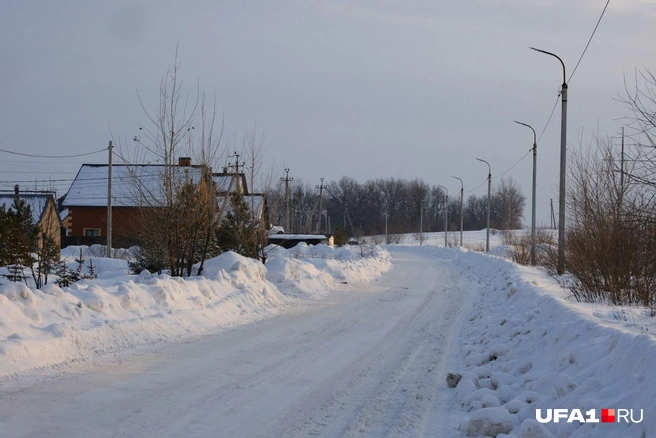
(177, 200)
(510, 204)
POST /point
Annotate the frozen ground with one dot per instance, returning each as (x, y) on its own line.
(324, 343)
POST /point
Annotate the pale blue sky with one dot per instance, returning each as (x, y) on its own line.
(365, 89)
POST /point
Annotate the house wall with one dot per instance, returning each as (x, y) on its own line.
(49, 224)
(126, 221)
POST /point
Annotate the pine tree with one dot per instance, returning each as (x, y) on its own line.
(18, 237)
(237, 233)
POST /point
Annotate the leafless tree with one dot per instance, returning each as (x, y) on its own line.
(177, 200)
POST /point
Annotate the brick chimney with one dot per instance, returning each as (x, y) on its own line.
(184, 161)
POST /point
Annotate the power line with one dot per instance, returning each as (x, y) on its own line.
(589, 41)
(513, 166)
(477, 187)
(550, 116)
(52, 156)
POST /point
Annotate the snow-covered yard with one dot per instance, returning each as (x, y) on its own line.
(322, 342)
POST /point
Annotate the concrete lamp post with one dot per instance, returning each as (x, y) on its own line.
(563, 167)
(446, 215)
(535, 158)
(462, 195)
(489, 186)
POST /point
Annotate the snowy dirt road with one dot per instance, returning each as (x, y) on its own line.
(370, 360)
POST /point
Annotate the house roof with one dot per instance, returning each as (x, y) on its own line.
(255, 202)
(225, 182)
(38, 202)
(132, 185)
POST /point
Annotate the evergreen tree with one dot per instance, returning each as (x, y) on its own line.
(18, 236)
(237, 232)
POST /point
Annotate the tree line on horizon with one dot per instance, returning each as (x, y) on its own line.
(359, 208)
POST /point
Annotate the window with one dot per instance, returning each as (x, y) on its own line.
(92, 232)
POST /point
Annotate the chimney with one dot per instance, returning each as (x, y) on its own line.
(184, 161)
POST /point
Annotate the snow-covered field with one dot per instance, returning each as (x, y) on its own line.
(323, 342)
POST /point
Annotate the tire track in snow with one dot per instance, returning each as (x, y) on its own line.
(392, 388)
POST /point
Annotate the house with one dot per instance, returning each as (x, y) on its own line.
(44, 211)
(136, 189)
(229, 183)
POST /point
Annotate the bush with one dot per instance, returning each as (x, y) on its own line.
(520, 243)
(610, 245)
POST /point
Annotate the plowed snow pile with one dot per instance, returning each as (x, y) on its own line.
(528, 345)
(119, 312)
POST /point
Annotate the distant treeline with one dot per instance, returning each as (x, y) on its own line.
(360, 208)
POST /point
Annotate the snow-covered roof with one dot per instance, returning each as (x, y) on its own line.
(297, 236)
(38, 202)
(132, 185)
(226, 182)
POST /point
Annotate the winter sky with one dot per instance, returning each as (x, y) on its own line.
(367, 89)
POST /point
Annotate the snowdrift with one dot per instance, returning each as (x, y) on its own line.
(312, 271)
(119, 312)
(528, 345)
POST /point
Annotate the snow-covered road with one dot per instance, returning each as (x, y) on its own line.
(367, 361)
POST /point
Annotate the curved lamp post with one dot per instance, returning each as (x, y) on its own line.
(446, 214)
(563, 159)
(535, 158)
(462, 194)
(489, 185)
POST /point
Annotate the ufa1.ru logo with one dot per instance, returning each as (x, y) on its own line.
(576, 415)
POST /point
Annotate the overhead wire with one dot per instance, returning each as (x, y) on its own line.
(52, 156)
(589, 41)
(513, 166)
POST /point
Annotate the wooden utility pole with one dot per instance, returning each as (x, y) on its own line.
(553, 217)
(622, 165)
(237, 178)
(286, 179)
(320, 187)
(109, 201)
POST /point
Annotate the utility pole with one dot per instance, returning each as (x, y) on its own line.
(297, 216)
(446, 215)
(553, 217)
(533, 201)
(489, 185)
(109, 200)
(237, 178)
(563, 166)
(622, 166)
(320, 187)
(462, 208)
(286, 179)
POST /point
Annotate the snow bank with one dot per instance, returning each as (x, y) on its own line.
(119, 312)
(311, 271)
(529, 346)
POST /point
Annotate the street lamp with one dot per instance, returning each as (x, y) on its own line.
(535, 158)
(446, 214)
(489, 185)
(563, 159)
(462, 194)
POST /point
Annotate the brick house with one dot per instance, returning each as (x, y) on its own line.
(135, 189)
